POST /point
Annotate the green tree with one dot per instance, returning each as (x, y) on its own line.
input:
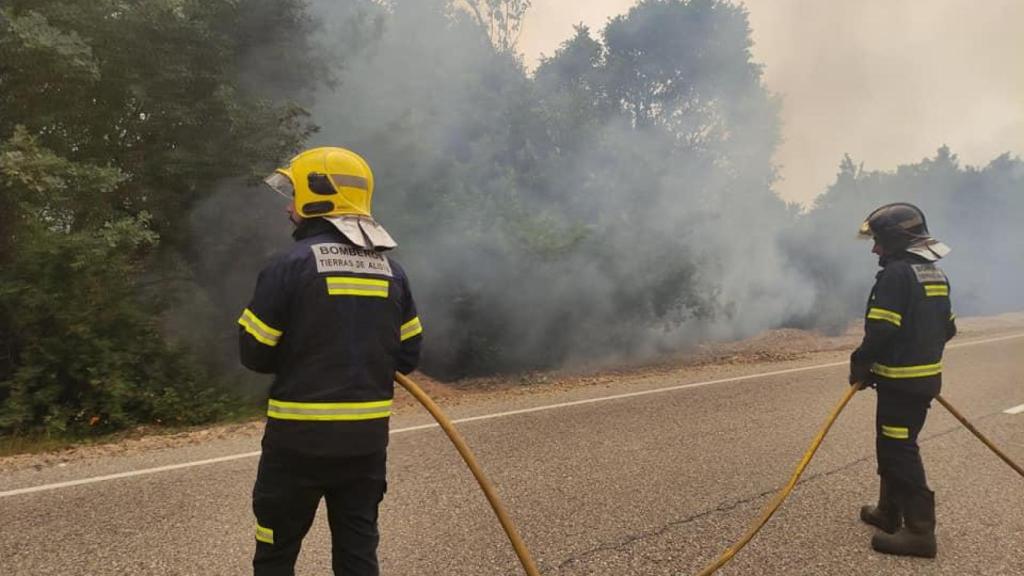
(153, 87)
(973, 209)
(115, 119)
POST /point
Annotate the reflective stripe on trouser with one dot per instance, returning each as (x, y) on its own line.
(287, 493)
(328, 411)
(264, 534)
(919, 371)
(898, 421)
(897, 432)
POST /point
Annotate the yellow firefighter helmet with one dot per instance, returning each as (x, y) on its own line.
(326, 181)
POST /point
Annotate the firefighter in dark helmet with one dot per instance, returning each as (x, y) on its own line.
(907, 324)
(333, 319)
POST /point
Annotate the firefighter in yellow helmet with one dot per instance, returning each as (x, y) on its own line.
(333, 319)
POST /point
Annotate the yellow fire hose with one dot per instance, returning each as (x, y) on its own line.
(784, 493)
(980, 436)
(506, 522)
(524, 555)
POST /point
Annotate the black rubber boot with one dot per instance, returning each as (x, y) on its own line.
(917, 537)
(886, 515)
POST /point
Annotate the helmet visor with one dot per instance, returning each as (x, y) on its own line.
(281, 184)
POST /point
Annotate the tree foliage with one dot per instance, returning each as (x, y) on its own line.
(116, 118)
(614, 204)
(975, 210)
(501, 19)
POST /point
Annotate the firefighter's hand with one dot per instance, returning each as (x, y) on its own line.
(860, 375)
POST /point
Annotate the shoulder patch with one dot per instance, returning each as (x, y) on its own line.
(332, 257)
(928, 273)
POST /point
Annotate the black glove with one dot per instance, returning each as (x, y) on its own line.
(860, 374)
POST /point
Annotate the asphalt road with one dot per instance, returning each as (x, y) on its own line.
(656, 483)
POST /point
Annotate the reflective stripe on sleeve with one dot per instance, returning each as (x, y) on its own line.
(936, 290)
(259, 329)
(265, 535)
(897, 432)
(328, 411)
(411, 328)
(351, 286)
(907, 371)
(885, 315)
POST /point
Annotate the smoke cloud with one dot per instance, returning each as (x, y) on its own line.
(886, 82)
(536, 237)
(616, 204)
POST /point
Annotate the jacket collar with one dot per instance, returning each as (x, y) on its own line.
(312, 227)
(884, 261)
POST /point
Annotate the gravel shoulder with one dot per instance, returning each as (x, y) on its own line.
(768, 350)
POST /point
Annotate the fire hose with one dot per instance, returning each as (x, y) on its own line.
(956, 414)
(784, 493)
(460, 444)
(520, 547)
(776, 502)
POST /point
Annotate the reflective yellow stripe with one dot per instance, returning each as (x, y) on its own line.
(411, 328)
(886, 315)
(265, 535)
(258, 329)
(324, 411)
(907, 371)
(350, 286)
(952, 317)
(896, 432)
(936, 290)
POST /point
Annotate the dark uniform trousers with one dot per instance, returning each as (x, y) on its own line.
(899, 419)
(285, 499)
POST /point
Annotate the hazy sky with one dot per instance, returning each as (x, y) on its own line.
(887, 81)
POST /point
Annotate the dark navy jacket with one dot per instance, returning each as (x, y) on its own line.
(333, 322)
(907, 324)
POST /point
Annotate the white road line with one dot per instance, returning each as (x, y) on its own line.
(130, 474)
(1015, 410)
(146, 471)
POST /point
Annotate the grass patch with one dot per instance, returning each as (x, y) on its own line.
(38, 443)
(34, 444)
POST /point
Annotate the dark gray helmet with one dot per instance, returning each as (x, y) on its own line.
(901, 226)
(896, 226)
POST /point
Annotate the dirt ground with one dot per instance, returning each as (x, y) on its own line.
(769, 347)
